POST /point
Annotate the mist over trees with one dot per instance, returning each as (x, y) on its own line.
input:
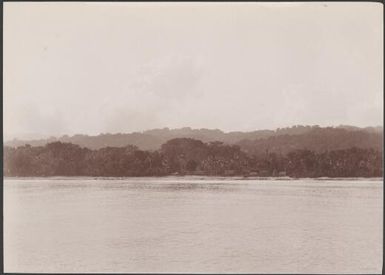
(279, 140)
(317, 139)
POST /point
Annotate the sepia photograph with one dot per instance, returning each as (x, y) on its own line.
(193, 137)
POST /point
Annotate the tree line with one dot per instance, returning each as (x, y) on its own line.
(187, 156)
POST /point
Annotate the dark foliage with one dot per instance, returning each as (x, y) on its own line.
(189, 156)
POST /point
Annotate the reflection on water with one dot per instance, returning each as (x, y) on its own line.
(192, 225)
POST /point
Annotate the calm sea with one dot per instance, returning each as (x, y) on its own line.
(190, 225)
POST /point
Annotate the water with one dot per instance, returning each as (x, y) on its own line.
(190, 225)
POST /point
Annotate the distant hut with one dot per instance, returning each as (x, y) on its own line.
(229, 172)
(282, 174)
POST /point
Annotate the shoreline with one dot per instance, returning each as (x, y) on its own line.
(192, 177)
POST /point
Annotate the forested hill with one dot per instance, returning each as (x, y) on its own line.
(317, 140)
(280, 140)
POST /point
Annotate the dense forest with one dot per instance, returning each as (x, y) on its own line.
(188, 156)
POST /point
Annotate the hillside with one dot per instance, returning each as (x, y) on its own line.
(279, 140)
(317, 140)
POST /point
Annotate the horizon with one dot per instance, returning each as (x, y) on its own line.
(189, 128)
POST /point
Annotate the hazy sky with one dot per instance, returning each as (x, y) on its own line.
(120, 67)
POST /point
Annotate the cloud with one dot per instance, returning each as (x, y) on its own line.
(174, 76)
(124, 120)
(30, 122)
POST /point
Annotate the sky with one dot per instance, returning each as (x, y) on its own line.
(91, 68)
